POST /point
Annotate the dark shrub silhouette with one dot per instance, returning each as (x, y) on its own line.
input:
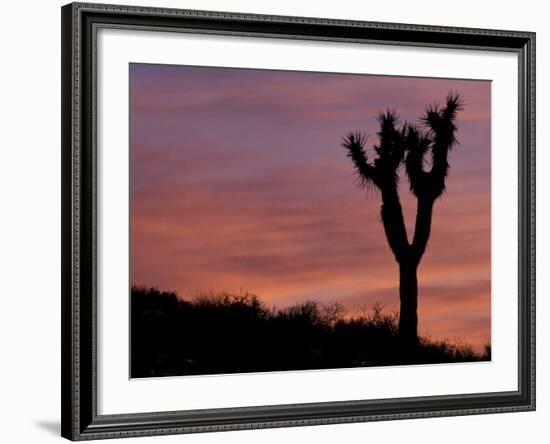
(238, 333)
(414, 148)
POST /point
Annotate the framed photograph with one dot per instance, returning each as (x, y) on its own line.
(280, 221)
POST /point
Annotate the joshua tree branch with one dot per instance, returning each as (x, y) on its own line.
(383, 174)
(428, 186)
(422, 228)
(394, 224)
(355, 146)
(391, 149)
(441, 124)
(418, 144)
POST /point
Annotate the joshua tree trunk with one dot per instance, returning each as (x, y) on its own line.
(408, 268)
(408, 298)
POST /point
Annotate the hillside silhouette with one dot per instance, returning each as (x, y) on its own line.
(226, 333)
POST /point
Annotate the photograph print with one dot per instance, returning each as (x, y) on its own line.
(293, 220)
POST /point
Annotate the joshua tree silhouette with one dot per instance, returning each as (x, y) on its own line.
(413, 147)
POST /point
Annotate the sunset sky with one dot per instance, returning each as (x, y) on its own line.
(239, 183)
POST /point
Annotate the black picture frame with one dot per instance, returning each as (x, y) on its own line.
(79, 383)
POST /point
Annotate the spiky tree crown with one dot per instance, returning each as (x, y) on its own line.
(410, 145)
